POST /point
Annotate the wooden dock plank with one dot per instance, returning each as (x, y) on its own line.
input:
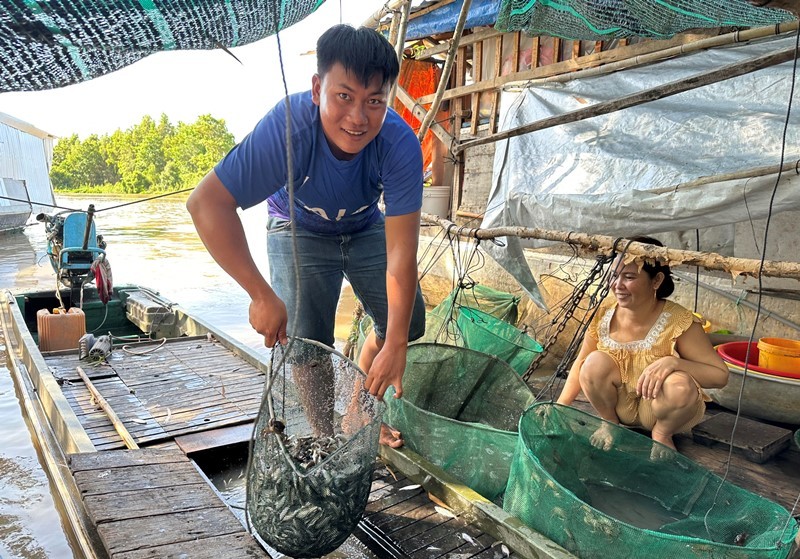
(215, 547)
(133, 478)
(167, 529)
(124, 505)
(149, 503)
(184, 387)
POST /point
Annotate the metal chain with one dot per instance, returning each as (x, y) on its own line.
(569, 310)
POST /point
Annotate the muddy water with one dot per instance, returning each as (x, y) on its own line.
(152, 244)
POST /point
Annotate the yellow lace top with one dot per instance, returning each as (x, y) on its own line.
(633, 357)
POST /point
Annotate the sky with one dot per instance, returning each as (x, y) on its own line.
(186, 84)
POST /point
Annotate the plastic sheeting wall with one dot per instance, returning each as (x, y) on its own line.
(621, 174)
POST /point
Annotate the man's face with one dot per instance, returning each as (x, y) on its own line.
(351, 114)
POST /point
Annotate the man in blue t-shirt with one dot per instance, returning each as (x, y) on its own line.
(345, 149)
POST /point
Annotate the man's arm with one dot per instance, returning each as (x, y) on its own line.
(213, 211)
(402, 239)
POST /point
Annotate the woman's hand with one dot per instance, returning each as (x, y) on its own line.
(652, 378)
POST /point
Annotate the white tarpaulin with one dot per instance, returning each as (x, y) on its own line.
(625, 173)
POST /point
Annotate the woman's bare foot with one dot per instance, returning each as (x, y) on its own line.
(603, 438)
(659, 452)
(390, 437)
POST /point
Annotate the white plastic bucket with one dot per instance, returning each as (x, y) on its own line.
(436, 200)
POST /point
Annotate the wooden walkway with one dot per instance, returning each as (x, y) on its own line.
(154, 503)
(184, 386)
(420, 528)
(151, 503)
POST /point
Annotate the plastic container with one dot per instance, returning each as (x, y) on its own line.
(436, 200)
(779, 354)
(733, 353)
(60, 330)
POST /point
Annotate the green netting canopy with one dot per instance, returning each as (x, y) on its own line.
(607, 19)
(591, 501)
(44, 45)
(483, 332)
(460, 410)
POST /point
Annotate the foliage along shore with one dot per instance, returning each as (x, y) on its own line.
(149, 158)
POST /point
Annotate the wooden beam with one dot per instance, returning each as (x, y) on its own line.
(448, 65)
(677, 45)
(646, 96)
(444, 46)
(112, 415)
(605, 244)
(418, 111)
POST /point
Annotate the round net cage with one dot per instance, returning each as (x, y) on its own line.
(313, 450)
(638, 498)
(483, 332)
(460, 410)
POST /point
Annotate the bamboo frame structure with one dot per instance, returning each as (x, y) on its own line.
(646, 96)
(606, 244)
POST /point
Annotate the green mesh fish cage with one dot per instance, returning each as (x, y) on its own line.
(460, 410)
(486, 333)
(499, 304)
(638, 502)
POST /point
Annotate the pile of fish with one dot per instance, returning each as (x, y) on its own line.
(311, 513)
(310, 451)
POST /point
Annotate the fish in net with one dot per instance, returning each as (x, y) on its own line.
(313, 450)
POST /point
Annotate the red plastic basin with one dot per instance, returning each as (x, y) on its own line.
(735, 352)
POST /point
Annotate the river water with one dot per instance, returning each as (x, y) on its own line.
(151, 243)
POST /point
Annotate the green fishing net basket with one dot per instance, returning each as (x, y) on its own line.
(499, 304)
(630, 499)
(309, 509)
(483, 332)
(460, 410)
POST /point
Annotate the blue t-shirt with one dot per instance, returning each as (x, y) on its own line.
(331, 195)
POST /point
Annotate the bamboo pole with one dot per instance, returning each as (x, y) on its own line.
(419, 112)
(663, 54)
(646, 96)
(115, 420)
(678, 45)
(448, 65)
(399, 45)
(605, 244)
(444, 46)
(374, 20)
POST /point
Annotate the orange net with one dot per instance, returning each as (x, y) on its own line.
(420, 78)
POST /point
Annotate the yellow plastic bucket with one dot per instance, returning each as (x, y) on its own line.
(779, 354)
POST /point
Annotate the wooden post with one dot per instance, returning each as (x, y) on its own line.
(448, 65)
(646, 96)
(115, 420)
(477, 76)
(498, 66)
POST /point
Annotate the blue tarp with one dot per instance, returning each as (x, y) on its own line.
(443, 20)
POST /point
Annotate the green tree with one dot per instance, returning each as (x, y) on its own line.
(146, 157)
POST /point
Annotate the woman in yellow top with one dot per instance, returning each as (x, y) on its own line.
(645, 360)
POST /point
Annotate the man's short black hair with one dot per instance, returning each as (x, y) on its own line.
(363, 52)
